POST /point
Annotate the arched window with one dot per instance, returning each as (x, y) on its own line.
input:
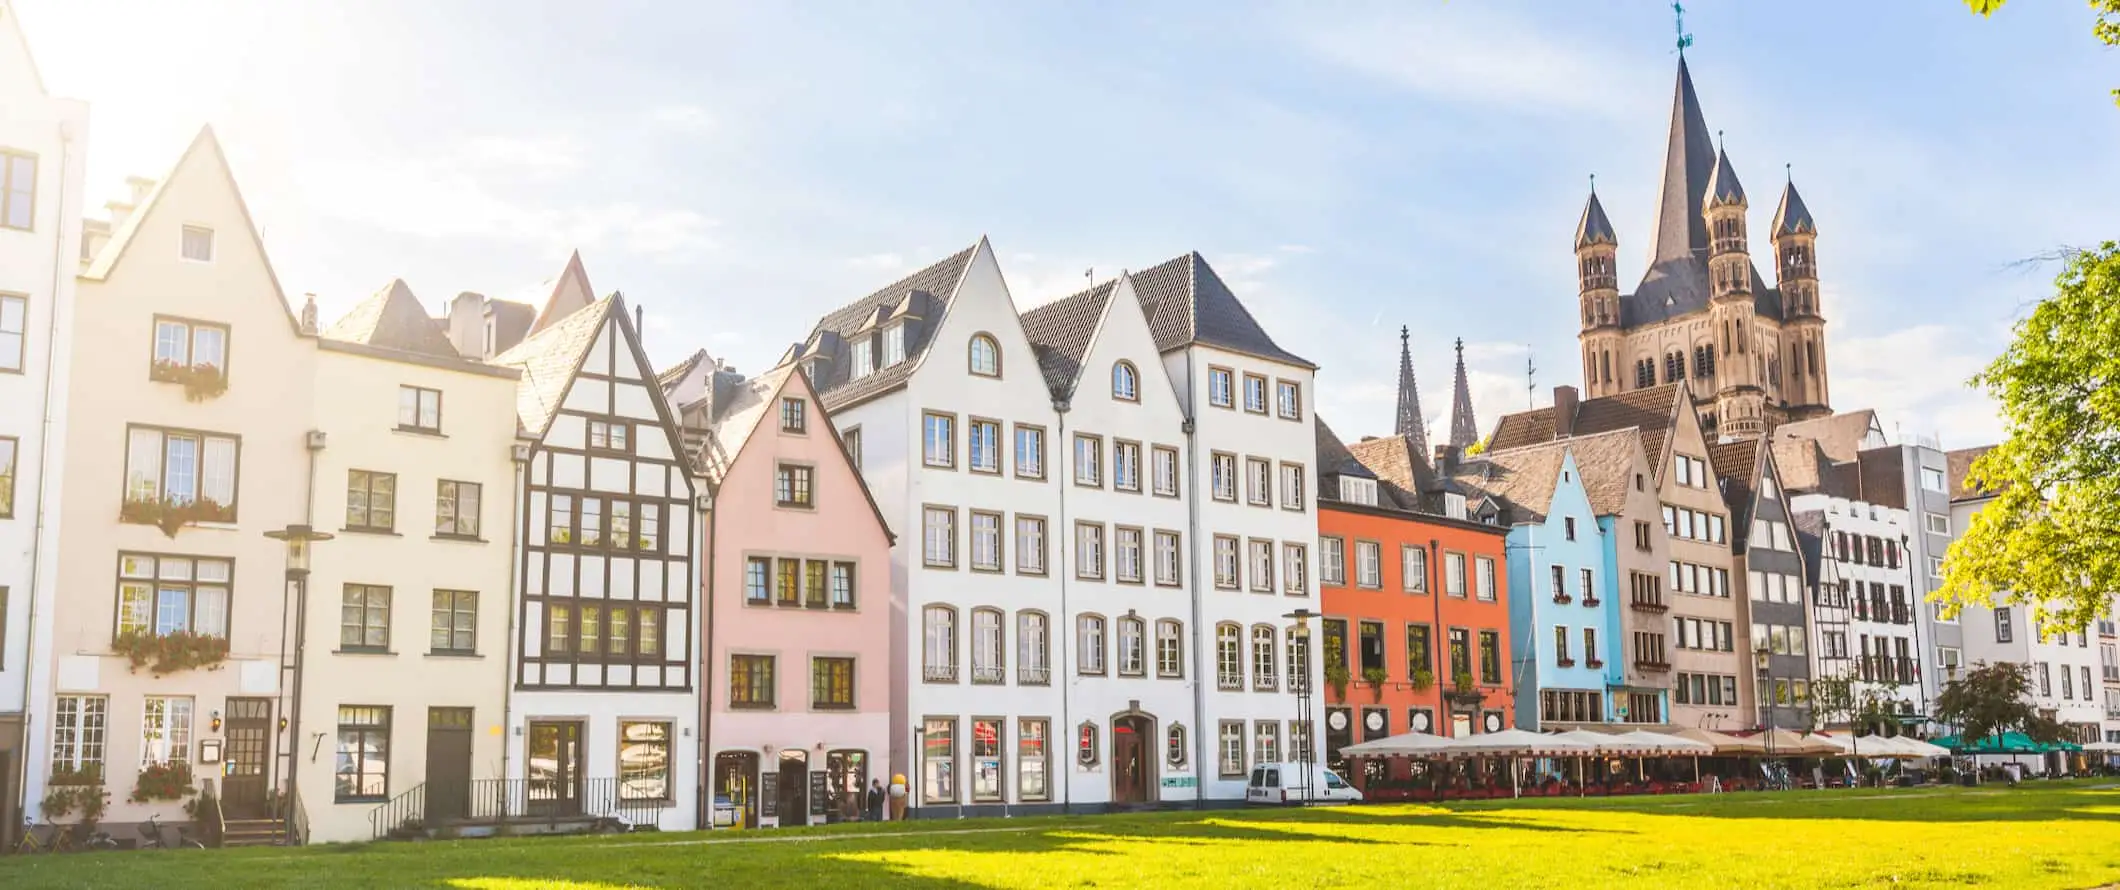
(988, 645)
(1126, 382)
(1810, 351)
(1133, 647)
(1264, 656)
(1229, 656)
(1089, 644)
(938, 658)
(1033, 649)
(1176, 747)
(985, 356)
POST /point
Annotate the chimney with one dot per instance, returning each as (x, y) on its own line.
(1446, 461)
(638, 320)
(309, 313)
(140, 186)
(1565, 400)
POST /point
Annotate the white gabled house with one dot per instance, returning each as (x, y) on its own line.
(603, 718)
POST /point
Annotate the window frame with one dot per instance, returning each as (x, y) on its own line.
(191, 327)
(1091, 626)
(1043, 550)
(971, 356)
(230, 511)
(1288, 399)
(948, 424)
(745, 668)
(184, 242)
(1157, 455)
(153, 585)
(1093, 466)
(662, 744)
(1265, 394)
(1228, 378)
(949, 558)
(1126, 453)
(972, 431)
(369, 609)
(451, 492)
(419, 396)
(830, 664)
(1131, 391)
(362, 733)
(794, 416)
(8, 188)
(368, 497)
(946, 671)
(1016, 441)
(459, 620)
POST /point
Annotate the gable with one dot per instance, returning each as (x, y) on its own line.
(17, 67)
(742, 439)
(570, 293)
(1122, 334)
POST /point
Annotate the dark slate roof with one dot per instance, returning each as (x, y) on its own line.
(1525, 478)
(1723, 187)
(1651, 410)
(393, 319)
(1736, 467)
(922, 294)
(1840, 436)
(1402, 474)
(1594, 227)
(511, 321)
(549, 359)
(1811, 530)
(670, 375)
(1333, 457)
(1060, 332)
(1957, 465)
(1792, 217)
(1187, 303)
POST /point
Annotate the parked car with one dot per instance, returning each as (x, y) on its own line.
(1282, 784)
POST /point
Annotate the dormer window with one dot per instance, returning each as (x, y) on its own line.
(1126, 382)
(893, 345)
(1356, 490)
(984, 356)
(864, 359)
(1454, 505)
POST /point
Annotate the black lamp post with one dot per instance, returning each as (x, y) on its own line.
(1301, 634)
(298, 539)
(1763, 659)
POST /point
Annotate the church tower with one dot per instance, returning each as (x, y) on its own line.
(1796, 262)
(1733, 363)
(1597, 277)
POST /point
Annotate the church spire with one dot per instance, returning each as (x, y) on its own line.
(1689, 160)
(1412, 425)
(1464, 430)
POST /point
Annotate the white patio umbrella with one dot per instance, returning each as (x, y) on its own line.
(1408, 743)
(2102, 747)
(1665, 744)
(1515, 743)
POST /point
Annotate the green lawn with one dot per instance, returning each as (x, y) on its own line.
(2044, 836)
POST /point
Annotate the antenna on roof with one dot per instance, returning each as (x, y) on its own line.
(1530, 379)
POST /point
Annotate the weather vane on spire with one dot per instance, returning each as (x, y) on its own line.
(1684, 39)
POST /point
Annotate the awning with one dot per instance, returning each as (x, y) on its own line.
(1410, 743)
(1666, 744)
(2007, 743)
(1722, 744)
(1515, 743)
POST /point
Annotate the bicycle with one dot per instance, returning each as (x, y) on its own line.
(151, 837)
(61, 840)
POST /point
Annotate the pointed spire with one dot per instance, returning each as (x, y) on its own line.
(1412, 425)
(1464, 430)
(1689, 159)
(1594, 227)
(1792, 218)
(1723, 187)
(570, 293)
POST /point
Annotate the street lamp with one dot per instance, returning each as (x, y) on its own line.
(298, 540)
(1763, 659)
(1301, 635)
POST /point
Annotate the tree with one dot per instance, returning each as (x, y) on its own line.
(2051, 536)
(2105, 24)
(1988, 700)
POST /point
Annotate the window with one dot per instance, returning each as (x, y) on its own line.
(1175, 747)
(454, 629)
(1332, 556)
(1491, 657)
(938, 759)
(1590, 647)
(1368, 571)
(1932, 480)
(364, 618)
(1126, 382)
(1089, 460)
(1230, 748)
(989, 664)
(986, 541)
(1226, 572)
(893, 345)
(1254, 394)
(610, 435)
(1261, 553)
(1126, 466)
(1937, 523)
(1089, 550)
(1588, 580)
(1454, 574)
(1032, 763)
(938, 650)
(939, 537)
(1170, 648)
(1419, 657)
(1033, 648)
(1229, 656)
(1560, 647)
(791, 488)
(1089, 644)
(1569, 525)
(197, 244)
(79, 727)
(751, 681)
(161, 595)
(1266, 741)
(983, 446)
(842, 593)
(18, 190)
(456, 509)
(1484, 575)
(831, 684)
(14, 325)
(1265, 659)
(1169, 556)
(165, 730)
(419, 409)
(794, 416)
(1288, 399)
(1030, 545)
(1126, 547)
(643, 760)
(1298, 663)
(788, 582)
(1166, 470)
(1030, 452)
(1413, 568)
(1295, 567)
(1292, 487)
(986, 759)
(1218, 388)
(182, 346)
(984, 357)
(1133, 646)
(363, 773)
(1223, 476)
(850, 440)
(371, 501)
(2003, 631)
(164, 466)
(1258, 481)
(938, 440)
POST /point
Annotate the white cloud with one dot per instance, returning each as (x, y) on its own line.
(1917, 375)
(879, 262)
(682, 118)
(540, 156)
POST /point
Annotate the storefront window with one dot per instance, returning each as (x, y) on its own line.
(1031, 764)
(986, 760)
(938, 757)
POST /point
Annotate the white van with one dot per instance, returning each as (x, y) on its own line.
(1282, 783)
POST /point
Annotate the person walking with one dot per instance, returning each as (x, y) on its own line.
(872, 804)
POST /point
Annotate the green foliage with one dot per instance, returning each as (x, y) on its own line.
(73, 791)
(170, 514)
(201, 382)
(2105, 23)
(1988, 700)
(163, 781)
(1375, 677)
(2050, 539)
(171, 652)
(1463, 682)
(1336, 674)
(1422, 679)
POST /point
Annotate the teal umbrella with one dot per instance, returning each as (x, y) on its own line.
(2007, 743)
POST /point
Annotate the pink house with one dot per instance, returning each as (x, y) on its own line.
(796, 666)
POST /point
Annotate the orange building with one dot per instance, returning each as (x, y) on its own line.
(1415, 598)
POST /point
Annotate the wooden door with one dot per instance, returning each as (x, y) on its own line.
(555, 767)
(1130, 759)
(249, 730)
(794, 787)
(448, 764)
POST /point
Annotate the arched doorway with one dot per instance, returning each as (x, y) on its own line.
(794, 787)
(736, 778)
(1133, 758)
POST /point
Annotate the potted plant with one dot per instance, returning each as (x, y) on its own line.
(1422, 679)
(1375, 677)
(171, 652)
(1336, 676)
(1463, 689)
(163, 781)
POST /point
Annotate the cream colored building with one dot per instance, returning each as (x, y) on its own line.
(405, 657)
(191, 404)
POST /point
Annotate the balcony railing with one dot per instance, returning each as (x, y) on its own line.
(987, 675)
(1651, 606)
(939, 673)
(1648, 665)
(507, 800)
(1562, 598)
(1034, 676)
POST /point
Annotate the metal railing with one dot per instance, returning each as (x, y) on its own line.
(939, 673)
(1033, 676)
(518, 800)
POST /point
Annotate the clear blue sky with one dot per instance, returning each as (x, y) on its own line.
(738, 169)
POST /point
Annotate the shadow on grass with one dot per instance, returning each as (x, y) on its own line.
(2054, 803)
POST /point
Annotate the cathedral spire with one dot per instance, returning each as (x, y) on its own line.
(1464, 430)
(1412, 425)
(1689, 160)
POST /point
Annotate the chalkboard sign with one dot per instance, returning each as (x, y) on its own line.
(769, 796)
(820, 800)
